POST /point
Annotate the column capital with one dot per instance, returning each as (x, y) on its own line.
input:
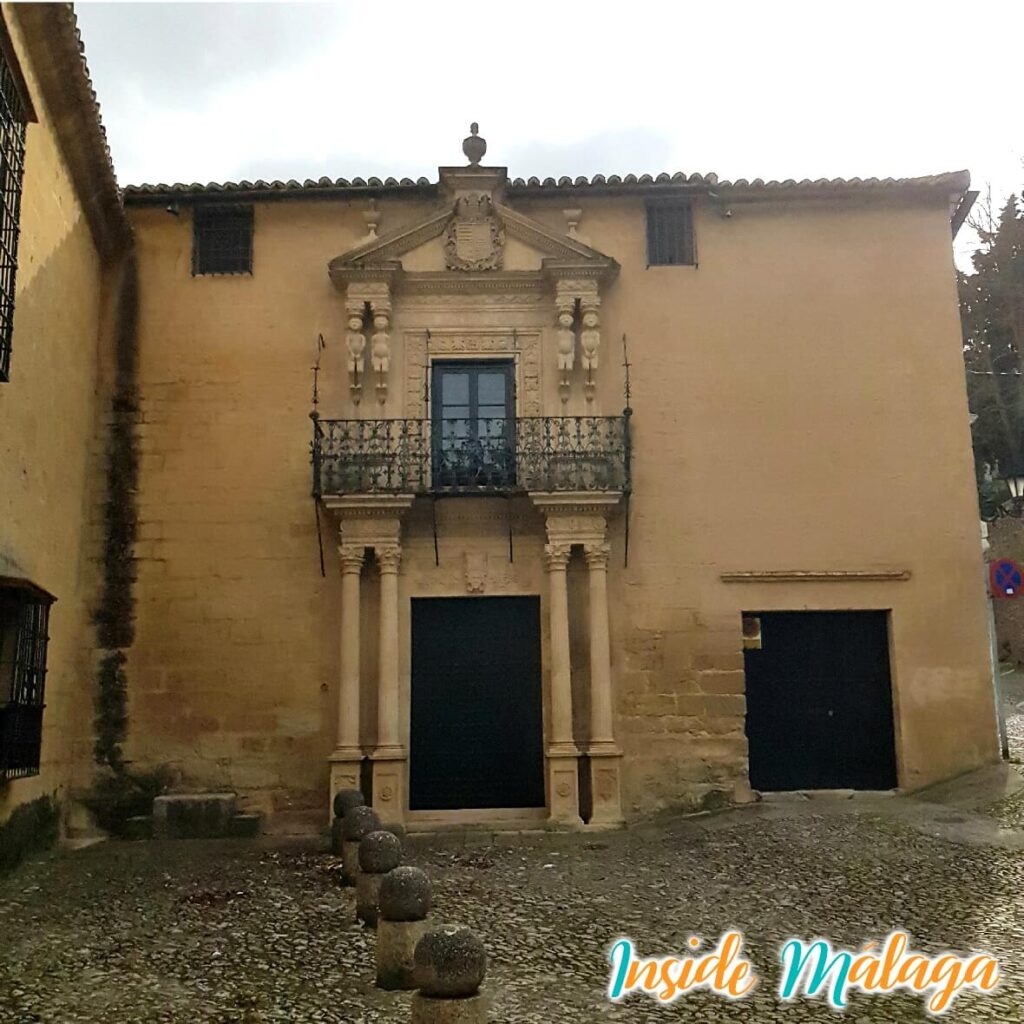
(388, 557)
(597, 553)
(351, 557)
(556, 556)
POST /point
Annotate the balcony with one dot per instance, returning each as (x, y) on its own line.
(471, 456)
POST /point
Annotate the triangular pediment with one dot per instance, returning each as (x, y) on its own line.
(471, 234)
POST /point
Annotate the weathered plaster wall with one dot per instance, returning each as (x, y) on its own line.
(797, 397)
(50, 470)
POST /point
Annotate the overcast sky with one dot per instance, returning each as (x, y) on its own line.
(220, 92)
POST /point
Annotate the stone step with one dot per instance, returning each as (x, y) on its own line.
(246, 826)
(194, 815)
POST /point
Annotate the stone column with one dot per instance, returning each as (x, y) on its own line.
(389, 755)
(348, 755)
(562, 753)
(604, 754)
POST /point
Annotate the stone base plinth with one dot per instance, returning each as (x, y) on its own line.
(389, 785)
(349, 862)
(605, 766)
(346, 768)
(563, 790)
(396, 943)
(367, 898)
(428, 1010)
(193, 815)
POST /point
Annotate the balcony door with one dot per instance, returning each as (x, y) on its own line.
(473, 425)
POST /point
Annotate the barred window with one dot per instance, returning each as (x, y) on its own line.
(222, 240)
(670, 234)
(24, 621)
(13, 119)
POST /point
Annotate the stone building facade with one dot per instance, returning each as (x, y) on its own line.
(512, 501)
(474, 444)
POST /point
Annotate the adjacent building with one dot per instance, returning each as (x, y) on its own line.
(64, 257)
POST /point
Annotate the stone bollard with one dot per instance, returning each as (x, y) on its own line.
(403, 903)
(395, 828)
(357, 823)
(344, 801)
(449, 962)
(379, 853)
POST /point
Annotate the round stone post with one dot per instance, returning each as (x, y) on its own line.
(403, 905)
(450, 962)
(358, 822)
(344, 801)
(379, 853)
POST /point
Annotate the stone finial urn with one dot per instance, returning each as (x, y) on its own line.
(474, 146)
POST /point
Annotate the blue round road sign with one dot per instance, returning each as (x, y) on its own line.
(1005, 578)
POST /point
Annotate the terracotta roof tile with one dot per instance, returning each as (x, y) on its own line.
(953, 182)
(55, 45)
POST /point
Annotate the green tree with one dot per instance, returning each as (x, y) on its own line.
(992, 312)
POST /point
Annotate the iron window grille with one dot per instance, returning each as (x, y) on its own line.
(24, 623)
(670, 234)
(222, 240)
(13, 119)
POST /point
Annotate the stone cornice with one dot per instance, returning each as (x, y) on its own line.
(49, 36)
(562, 256)
(367, 506)
(425, 282)
(394, 243)
(575, 502)
(815, 575)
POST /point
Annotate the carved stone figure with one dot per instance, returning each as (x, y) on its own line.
(590, 339)
(380, 352)
(355, 341)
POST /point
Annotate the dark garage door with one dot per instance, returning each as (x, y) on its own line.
(819, 702)
(477, 726)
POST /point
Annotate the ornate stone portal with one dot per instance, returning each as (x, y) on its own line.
(468, 298)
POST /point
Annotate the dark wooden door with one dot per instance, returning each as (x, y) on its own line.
(819, 702)
(477, 726)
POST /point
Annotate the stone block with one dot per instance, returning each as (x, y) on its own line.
(718, 681)
(138, 828)
(396, 946)
(349, 862)
(726, 705)
(193, 815)
(368, 898)
(690, 705)
(429, 1010)
(245, 826)
(724, 661)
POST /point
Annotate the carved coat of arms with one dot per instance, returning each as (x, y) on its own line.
(475, 238)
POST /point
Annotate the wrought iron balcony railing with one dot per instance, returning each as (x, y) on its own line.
(471, 456)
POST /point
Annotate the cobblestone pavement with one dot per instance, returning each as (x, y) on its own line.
(238, 932)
